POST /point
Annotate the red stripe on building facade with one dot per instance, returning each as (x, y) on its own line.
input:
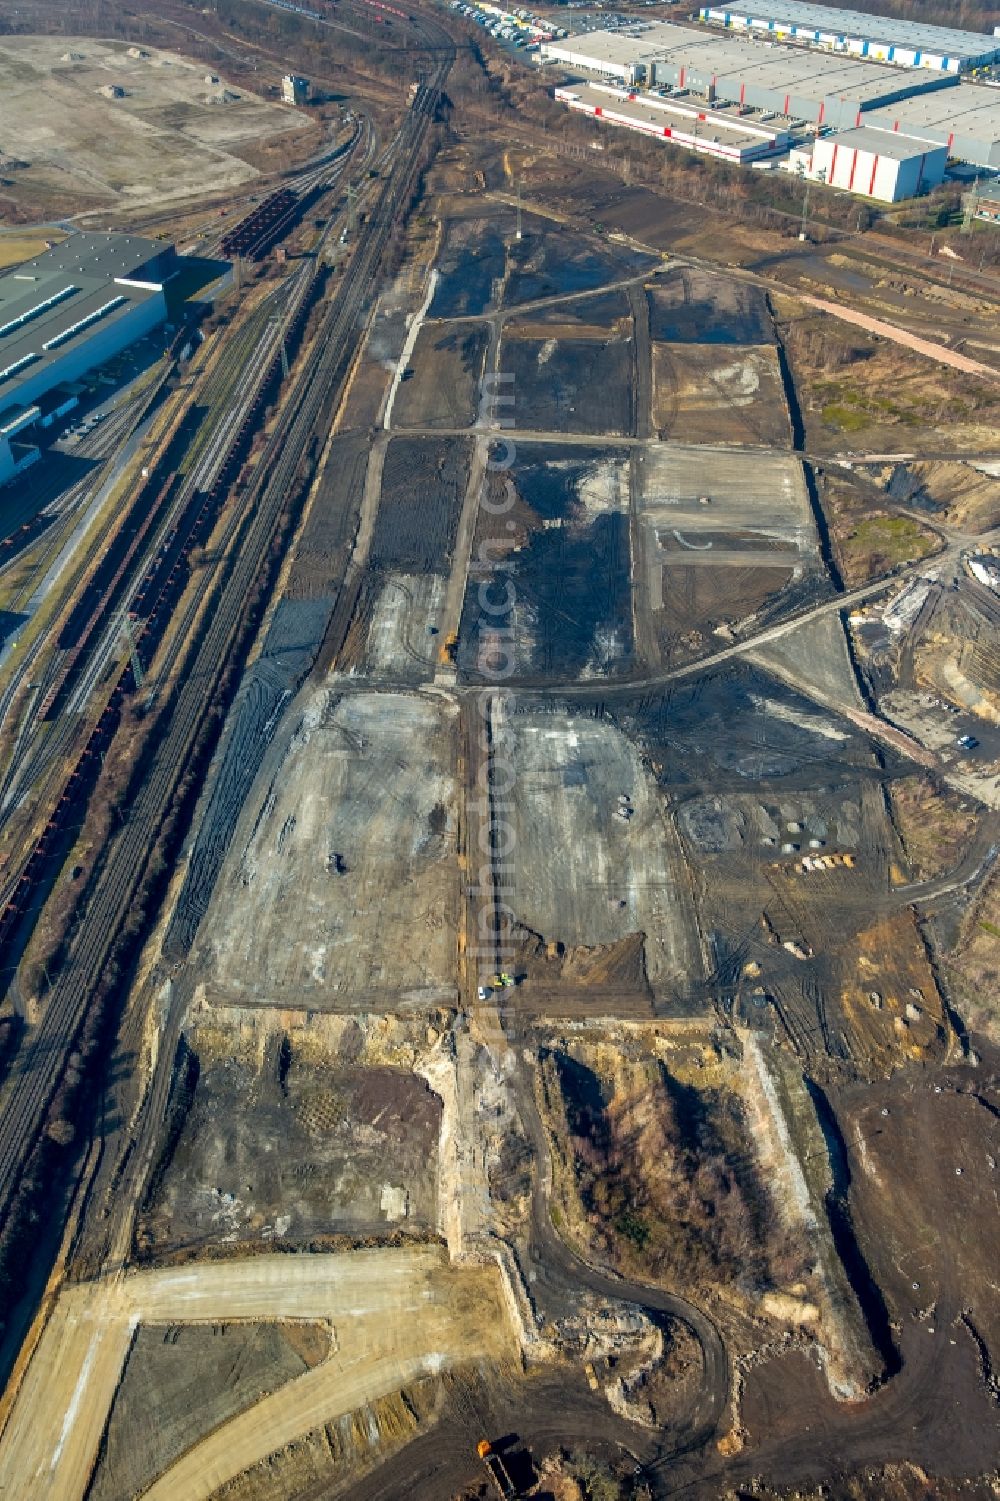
(854, 168)
(871, 185)
(833, 161)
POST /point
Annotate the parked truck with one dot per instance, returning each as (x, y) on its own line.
(499, 1473)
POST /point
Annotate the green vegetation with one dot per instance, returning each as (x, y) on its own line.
(634, 1229)
(655, 1176)
(851, 407)
(887, 541)
(846, 418)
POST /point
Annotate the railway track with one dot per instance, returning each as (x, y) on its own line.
(40, 764)
(95, 628)
(32, 758)
(40, 1061)
(317, 177)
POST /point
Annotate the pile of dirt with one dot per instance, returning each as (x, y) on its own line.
(620, 965)
(894, 1482)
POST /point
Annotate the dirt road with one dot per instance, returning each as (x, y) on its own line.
(900, 336)
(395, 1315)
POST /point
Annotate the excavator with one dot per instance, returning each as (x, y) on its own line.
(449, 648)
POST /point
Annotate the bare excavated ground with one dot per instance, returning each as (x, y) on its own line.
(793, 859)
(556, 519)
(172, 134)
(423, 485)
(711, 393)
(923, 1154)
(395, 631)
(595, 858)
(916, 1159)
(295, 1150)
(692, 306)
(571, 385)
(179, 1383)
(441, 384)
(484, 267)
(341, 883)
(723, 538)
(592, 316)
(545, 263)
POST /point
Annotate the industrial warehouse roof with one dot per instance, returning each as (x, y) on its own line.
(947, 40)
(59, 299)
(617, 47)
(885, 143)
(968, 110)
(102, 255)
(714, 130)
(782, 69)
(623, 48)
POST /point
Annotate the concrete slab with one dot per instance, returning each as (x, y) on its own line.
(584, 873)
(341, 882)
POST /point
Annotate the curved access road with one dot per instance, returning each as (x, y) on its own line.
(557, 1274)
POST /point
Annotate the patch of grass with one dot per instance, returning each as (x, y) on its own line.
(16, 248)
(892, 539)
(989, 927)
(846, 418)
(634, 1229)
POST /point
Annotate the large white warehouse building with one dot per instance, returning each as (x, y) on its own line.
(880, 164)
(966, 120)
(726, 134)
(909, 44)
(787, 81)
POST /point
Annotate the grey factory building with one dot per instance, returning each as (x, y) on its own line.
(806, 86)
(63, 314)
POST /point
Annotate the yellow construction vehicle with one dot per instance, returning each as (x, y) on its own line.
(449, 647)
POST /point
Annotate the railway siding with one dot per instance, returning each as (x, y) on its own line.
(41, 1060)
